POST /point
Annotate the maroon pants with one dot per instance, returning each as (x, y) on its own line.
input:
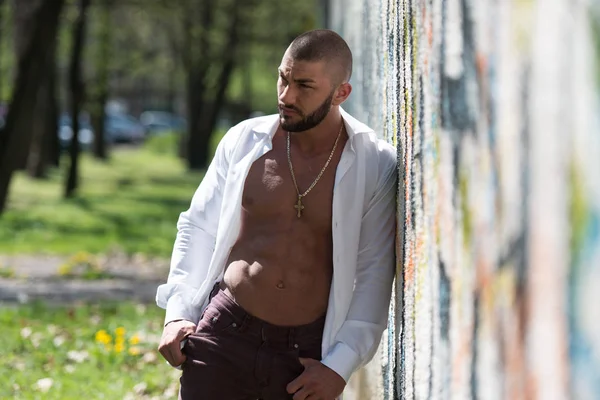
(235, 356)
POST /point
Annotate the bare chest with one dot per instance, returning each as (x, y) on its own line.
(269, 190)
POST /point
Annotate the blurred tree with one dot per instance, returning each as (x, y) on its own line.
(209, 61)
(32, 68)
(40, 128)
(214, 61)
(77, 88)
(24, 15)
(101, 85)
(2, 11)
(44, 147)
(231, 35)
(274, 24)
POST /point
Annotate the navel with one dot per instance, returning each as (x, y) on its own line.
(280, 285)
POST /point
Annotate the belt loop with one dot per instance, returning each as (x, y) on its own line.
(262, 333)
(214, 291)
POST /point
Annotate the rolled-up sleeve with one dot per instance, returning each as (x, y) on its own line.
(195, 242)
(358, 338)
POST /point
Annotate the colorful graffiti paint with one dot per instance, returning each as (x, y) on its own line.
(495, 110)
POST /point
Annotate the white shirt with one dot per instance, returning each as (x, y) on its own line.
(363, 230)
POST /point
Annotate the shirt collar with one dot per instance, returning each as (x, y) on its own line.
(353, 126)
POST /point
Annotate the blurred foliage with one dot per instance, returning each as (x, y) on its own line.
(167, 143)
(140, 190)
(147, 48)
(130, 204)
(7, 272)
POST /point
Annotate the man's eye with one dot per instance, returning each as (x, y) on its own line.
(305, 86)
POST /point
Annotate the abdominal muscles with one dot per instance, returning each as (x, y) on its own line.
(281, 275)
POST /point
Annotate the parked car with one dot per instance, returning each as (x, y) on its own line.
(123, 128)
(65, 131)
(161, 122)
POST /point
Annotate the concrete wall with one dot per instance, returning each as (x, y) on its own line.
(494, 108)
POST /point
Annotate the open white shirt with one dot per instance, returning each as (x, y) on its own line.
(363, 229)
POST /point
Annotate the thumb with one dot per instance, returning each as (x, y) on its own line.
(305, 361)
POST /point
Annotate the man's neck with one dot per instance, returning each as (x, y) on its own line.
(321, 137)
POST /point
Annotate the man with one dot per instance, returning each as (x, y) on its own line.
(282, 269)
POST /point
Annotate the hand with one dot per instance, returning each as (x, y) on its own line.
(173, 333)
(317, 382)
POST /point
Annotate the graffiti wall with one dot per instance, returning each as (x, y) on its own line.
(495, 110)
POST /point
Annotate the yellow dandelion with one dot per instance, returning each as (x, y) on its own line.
(119, 347)
(65, 269)
(103, 337)
(135, 339)
(120, 331)
(134, 351)
(81, 257)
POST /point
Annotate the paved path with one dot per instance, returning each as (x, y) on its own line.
(37, 278)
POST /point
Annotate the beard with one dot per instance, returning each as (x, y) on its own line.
(307, 121)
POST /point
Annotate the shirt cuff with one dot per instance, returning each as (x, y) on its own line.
(178, 309)
(343, 360)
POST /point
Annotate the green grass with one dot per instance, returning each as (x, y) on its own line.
(79, 352)
(129, 204)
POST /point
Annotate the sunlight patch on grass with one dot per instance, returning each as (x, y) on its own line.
(130, 203)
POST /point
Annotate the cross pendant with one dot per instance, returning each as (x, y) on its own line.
(299, 206)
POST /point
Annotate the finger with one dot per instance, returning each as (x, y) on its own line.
(172, 357)
(164, 351)
(302, 394)
(296, 384)
(175, 360)
(189, 330)
(168, 356)
(177, 355)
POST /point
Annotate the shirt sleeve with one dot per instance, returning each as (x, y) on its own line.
(195, 242)
(357, 340)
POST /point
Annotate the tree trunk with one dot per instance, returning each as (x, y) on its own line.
(36, 157)
(44, 142)
(77, 96)
(205, 121)
(197, 64)
(100, 150)
(52, 143)
(1, 40)
(25, 13)
(30, 74)
(195, 140)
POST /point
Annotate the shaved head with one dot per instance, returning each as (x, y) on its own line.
(324, 45)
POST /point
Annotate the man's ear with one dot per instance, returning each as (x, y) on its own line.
(342, 93)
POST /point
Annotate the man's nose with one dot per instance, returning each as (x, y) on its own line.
(287, 96)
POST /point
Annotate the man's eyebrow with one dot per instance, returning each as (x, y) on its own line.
(301, 80)
(305, 80)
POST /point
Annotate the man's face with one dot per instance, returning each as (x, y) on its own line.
(305, 94)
